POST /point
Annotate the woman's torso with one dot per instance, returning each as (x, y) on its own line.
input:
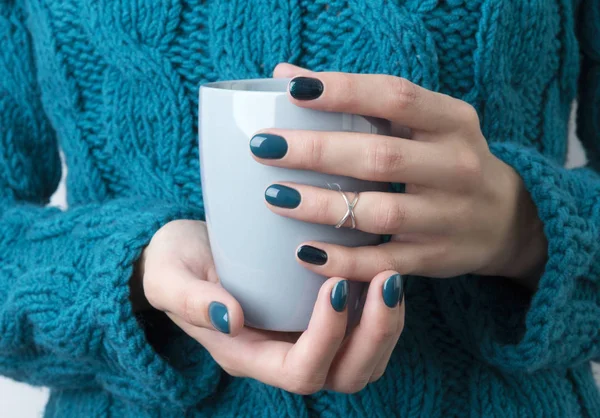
(120, 79)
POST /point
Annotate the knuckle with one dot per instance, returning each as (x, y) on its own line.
(228, 363)
(313, 152)
(439, 256)
(302, 384)
(345, 96)
(231, 371)
(319, 207)
(468, 166)
(382, 160)
(389, 217)
(152, 290)
(428, 257)
(378, 374)
(461, 216)
(385, 331)
(469, 114)
(404, 93)
(347, 266)
(210, 271)
(351, 384)
(190, 308)
(384, 261)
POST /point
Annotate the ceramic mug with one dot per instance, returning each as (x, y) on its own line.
(255, 250)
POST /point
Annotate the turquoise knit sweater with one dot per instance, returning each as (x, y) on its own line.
(114, 83)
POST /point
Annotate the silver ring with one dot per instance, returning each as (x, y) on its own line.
(349, 208)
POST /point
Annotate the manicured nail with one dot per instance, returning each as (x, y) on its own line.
(312, 255)
(306, 88)
(282, 196)
(219, 316)
(392, 290)
(339, 295)
(268, 146)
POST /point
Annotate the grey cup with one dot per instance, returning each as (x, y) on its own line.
(254, 249)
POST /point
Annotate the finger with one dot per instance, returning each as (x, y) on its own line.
(363, 263)
(383, 96)
(385, 358)
(310, 358)
(301, 367)
(379, 329)
(243, 355)
(196, 301)
(285, 70)
(375, 212)
(359, 155)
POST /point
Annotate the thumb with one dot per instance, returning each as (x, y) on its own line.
(198, 302)
(285, 70)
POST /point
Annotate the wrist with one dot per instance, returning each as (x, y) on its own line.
(521, 252)
(530, 249)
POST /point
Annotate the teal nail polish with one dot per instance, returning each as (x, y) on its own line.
(392, 290)
(339, 296)
(219, 316)
(282, 196)
(312, 255)
(268, 146)
(306, 88)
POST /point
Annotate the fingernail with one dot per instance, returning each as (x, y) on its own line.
(219, 317)
(305, 88)
(339, 295)
(282, 196)
(392, 290)
(268, 146)
(312, 255)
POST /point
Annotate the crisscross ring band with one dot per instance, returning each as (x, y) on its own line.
(349, 208)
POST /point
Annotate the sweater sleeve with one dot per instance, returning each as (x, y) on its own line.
(559, 325)
(65, 316)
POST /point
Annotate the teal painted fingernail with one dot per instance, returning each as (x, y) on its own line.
(392, 290)
(306, 88)
(312, 255)
(339, 295)
(268, 146)
(282, 196)
(219, 316)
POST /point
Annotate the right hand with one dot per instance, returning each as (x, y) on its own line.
(179, 278)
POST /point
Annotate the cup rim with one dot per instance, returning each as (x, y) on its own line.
(250, 85)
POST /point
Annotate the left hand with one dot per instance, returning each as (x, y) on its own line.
(464, 210)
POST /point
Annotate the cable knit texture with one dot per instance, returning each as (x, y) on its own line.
(114, 83)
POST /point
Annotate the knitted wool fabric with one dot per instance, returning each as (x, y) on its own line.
(114, 83)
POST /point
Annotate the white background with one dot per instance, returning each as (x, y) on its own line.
(22, 401)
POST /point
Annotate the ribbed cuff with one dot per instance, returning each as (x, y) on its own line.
(132, 369)
(559, 325)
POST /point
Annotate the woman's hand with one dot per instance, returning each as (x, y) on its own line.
(179, 278)
(464, 210)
